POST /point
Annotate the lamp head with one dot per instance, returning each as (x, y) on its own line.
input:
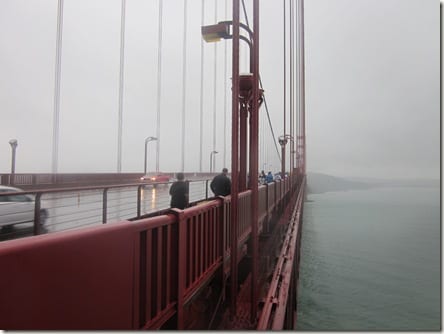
(13, 143)
(215, 32)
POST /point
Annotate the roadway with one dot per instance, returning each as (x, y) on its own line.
(79, 209)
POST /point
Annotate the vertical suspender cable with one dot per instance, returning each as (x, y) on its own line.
(296, 130)
(292, 94)
(184, 77)
(225, 94)
(201, 90)
(214, 89)
(121, 77)
(291, 71)
(304, 165)
(159, 84)
(299, 91)
(298, 77)
(58, 67)
(285, 65)
(298, 83)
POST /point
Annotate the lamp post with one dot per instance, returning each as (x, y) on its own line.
(214, 33)
(147, 140)
(250, 99)
(211, 160)
(283, 141)
(14, 144)
(247, 86)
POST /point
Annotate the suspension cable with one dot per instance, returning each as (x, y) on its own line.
(159, 84)
(269, 122)
(214, 94)
(265, 101)
(201, 88)
(121, 78)
(292, 79)
(245, 13)
(304, 164)
(184, 77)
(58, 67)
(298, 78)
(285, 65)
(225, 94)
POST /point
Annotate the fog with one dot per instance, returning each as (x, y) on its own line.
(372, 86)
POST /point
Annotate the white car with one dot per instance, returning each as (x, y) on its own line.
(17, 209)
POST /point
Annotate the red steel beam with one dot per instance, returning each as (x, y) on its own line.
(234, 157)
(254, 155)
(273, 313)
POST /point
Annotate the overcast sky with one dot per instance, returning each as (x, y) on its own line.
(372, 85)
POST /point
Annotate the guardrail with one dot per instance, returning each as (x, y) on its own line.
(46, 180)
(280, 303)
(58, 209)
(76, 207)
(127, 275)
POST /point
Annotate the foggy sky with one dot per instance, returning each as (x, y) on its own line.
(372, 85)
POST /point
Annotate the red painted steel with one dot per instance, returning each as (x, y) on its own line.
(68, 280)
(275, 307)
(254, 157)
(127, 275)
(262, 204)
(234, 155)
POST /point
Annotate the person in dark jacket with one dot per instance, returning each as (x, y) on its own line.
(179, 192)
(221, 184)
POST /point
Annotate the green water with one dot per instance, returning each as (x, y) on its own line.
(371, 260)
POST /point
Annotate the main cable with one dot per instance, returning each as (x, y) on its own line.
(265, 101)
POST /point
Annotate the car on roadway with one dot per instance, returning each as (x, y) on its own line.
(158, 178)
(17, 209)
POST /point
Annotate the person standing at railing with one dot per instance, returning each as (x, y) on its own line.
(221, 184)
(179, 192)
(262, 178)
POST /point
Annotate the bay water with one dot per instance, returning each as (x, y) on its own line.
(371, 260)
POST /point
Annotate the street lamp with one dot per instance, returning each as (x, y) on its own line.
(216, 32)
(147, 140)
(283, 141)
(211, 160)
(249, 100)
(13, 143)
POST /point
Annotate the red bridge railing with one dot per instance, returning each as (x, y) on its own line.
(126, 275)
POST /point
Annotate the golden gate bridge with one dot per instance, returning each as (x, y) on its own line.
(224, 262)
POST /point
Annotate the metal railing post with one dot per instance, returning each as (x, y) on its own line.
(139, 200)
(181, 266)
(104, 205)
(206, 189)
(37, 206)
